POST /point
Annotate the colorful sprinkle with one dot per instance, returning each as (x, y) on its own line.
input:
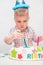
(41, 55)
(34, 51)
(14, 53)
(29, 56)
(20, 56)
(35, 55)
(39, 48)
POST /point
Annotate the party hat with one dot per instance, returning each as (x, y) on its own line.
(20, 5)
(23, 2)
(17, 2)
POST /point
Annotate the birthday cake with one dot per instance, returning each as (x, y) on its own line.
(27, 53)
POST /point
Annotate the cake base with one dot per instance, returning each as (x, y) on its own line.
(27, 53)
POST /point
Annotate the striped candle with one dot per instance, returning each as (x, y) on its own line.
(38, 41)
(25, 42)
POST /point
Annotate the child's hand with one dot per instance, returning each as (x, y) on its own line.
(18, 34)
(41, 38)
(15, 35)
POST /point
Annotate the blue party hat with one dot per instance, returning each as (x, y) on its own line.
(23, 2)
(17, 2)
(20, 5)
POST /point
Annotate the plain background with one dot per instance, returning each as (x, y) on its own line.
(7, 20)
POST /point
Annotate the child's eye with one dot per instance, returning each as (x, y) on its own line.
(25, 21)
(19, 21)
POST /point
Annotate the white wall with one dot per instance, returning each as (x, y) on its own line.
(7, 21)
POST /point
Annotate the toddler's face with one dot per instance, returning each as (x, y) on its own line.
(21, 18)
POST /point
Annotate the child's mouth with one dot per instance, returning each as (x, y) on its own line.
(22, 27)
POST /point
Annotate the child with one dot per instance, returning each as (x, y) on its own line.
(22, 31)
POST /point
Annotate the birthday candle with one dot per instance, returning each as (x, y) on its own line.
(38, 41)
(25, 42)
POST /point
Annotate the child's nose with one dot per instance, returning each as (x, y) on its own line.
(22, 23)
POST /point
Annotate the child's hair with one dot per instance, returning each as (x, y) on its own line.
(20, 11)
